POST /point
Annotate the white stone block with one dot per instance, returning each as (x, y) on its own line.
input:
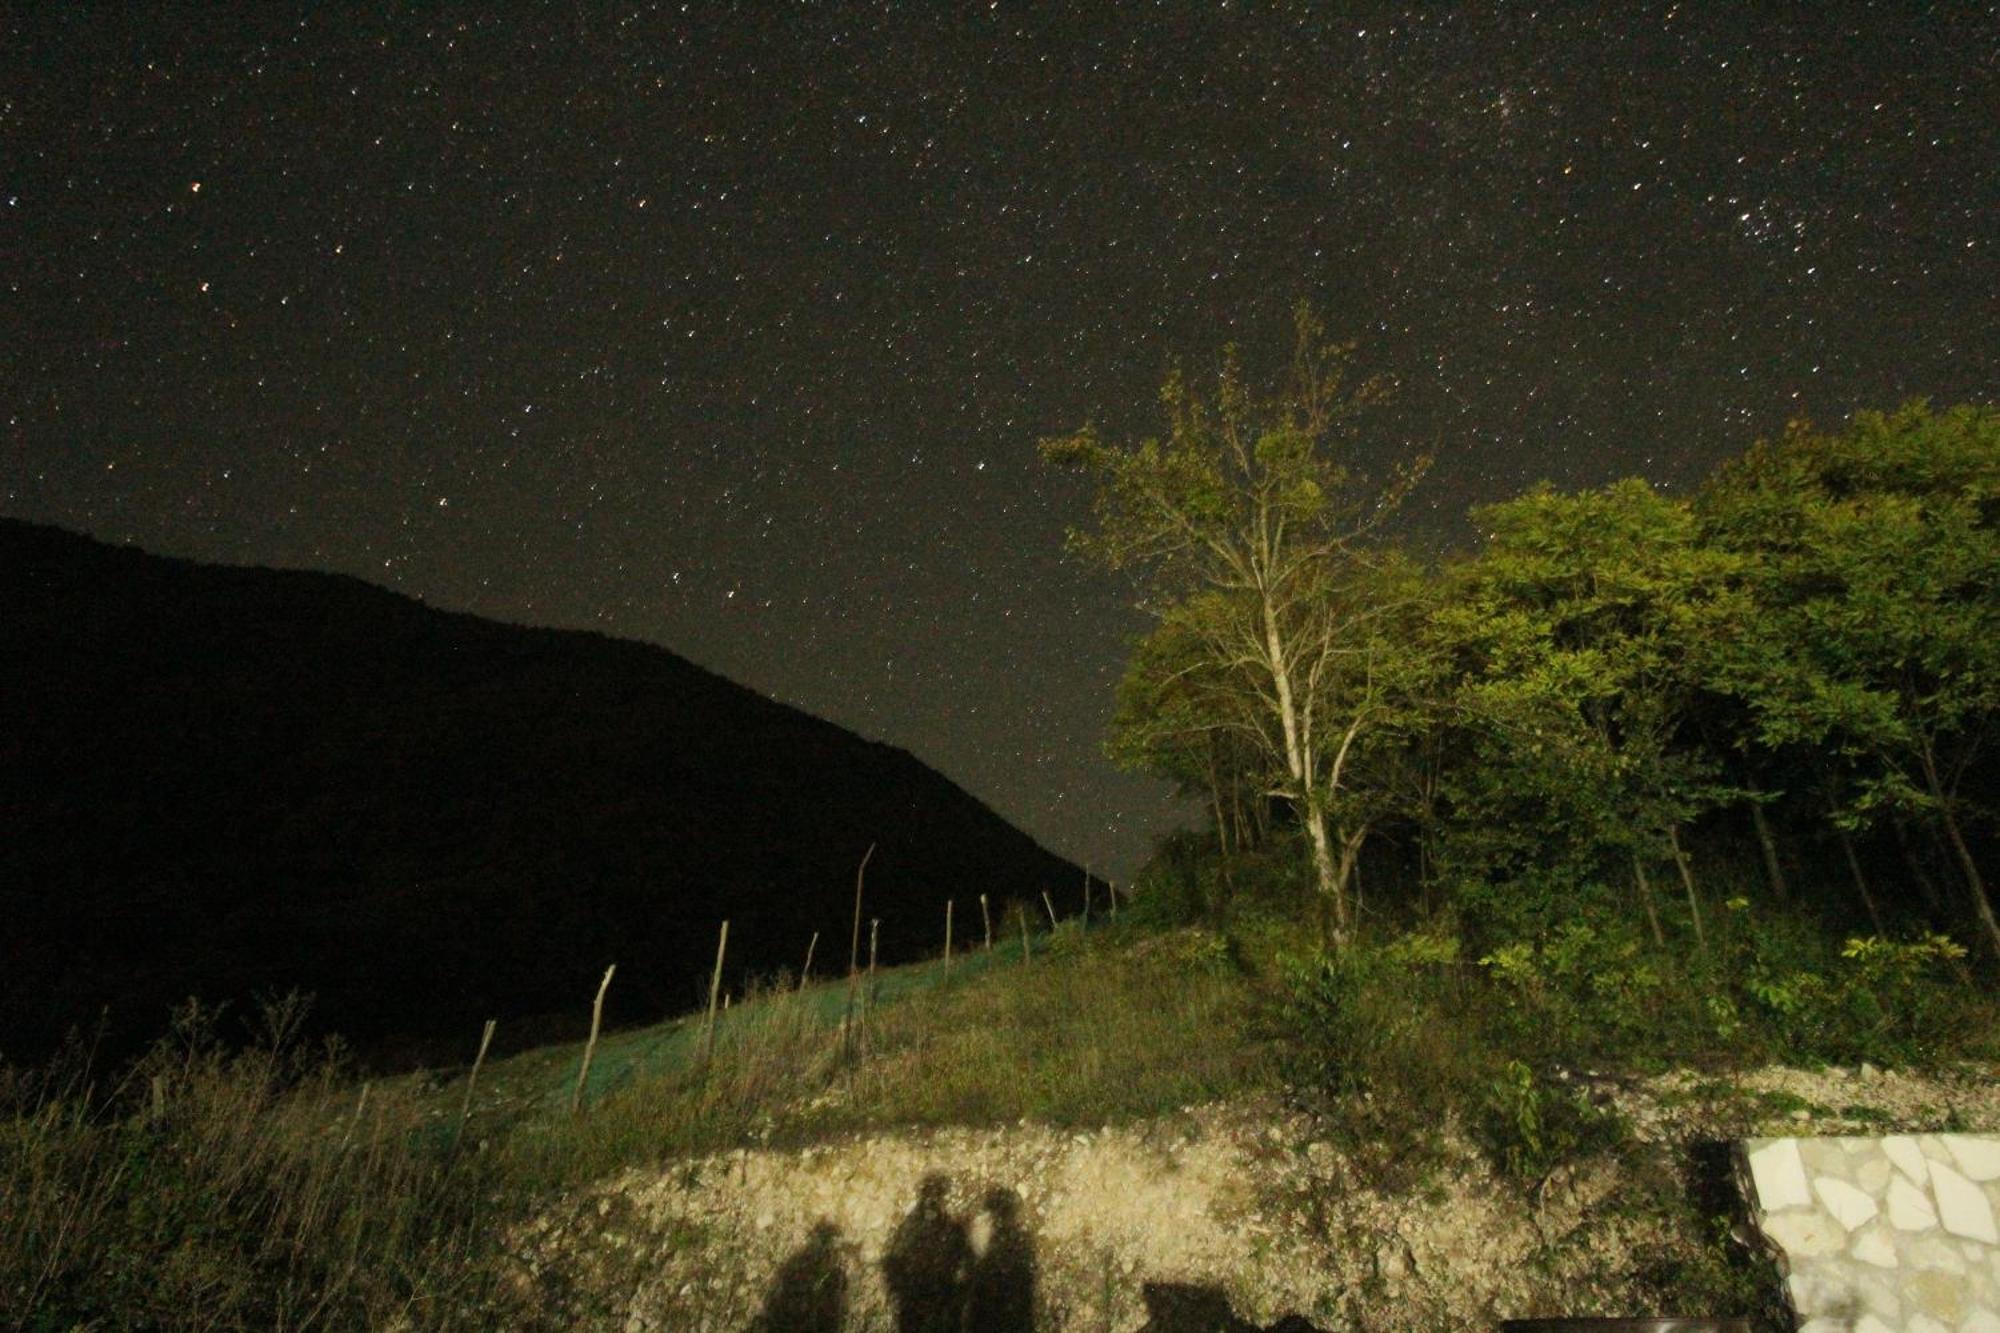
(1868, 1323)
(1881, 1294)
(1977, 1158)
(1981, 1321)
(1780, 1176)
(1923, 1323)
(1824, 1326)
(1909, 1159)
(1813, 1289)
(1849, 1206)
(1805, 1235)
(1873, 1174)
(1941, 1295)
(1962, 1206)
(1874, 1247)
(1933, 1252)
(1909, 1207)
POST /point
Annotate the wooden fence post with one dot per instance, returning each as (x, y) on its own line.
(1052, 909)
(590, 1047)
(714, 991)
(986, 917)
(806, 975)
(472, 1079)
(854, 952)
(874, 987)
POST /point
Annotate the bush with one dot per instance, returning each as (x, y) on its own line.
(1529, 1128)
(1378, 1039)
(1593, 989)
(1878, 999)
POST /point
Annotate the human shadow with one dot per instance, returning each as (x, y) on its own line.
(1179, 1307)
(926, 1265)
(1000, 1289)
(808, 1293)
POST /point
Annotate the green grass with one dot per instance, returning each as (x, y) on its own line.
(270, 1187)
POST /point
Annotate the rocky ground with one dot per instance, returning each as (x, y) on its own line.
(1234, 1216)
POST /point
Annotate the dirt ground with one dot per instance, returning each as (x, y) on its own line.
(1234, 1216)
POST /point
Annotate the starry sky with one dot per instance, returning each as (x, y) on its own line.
(733, 327)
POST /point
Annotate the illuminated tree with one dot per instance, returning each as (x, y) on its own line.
(1255, 541)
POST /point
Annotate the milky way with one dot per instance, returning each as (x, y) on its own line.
(733, 329)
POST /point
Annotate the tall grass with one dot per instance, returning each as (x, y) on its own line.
(254, 1188)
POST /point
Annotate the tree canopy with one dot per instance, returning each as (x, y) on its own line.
(1254, 537)
(1803, 657)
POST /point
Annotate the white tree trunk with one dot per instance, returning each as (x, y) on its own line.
(1299, 766)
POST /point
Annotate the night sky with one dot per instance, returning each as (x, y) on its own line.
(734, 328)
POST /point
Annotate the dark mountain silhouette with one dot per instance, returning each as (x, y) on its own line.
(224, 781)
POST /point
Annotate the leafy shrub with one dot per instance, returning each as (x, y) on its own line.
(1176, 887)
(1529, 1127)
(1591, 989)
(1880, 999)
(1377, 1041)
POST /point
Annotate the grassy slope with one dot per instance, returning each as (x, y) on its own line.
(260, 1190)
(1091, 1029)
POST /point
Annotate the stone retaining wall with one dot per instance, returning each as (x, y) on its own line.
(1883, 1234)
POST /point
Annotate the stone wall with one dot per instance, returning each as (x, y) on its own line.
(1883, 1234)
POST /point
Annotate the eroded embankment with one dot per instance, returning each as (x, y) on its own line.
(1236, 1211)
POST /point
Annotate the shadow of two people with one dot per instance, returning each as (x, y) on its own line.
(937, 1281)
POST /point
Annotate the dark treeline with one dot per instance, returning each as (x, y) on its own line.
(1776, 692)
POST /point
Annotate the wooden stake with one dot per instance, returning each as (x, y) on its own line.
(590, 1047)
(854, 949)
(1027, 954)
(472, 1079)
(874, 934)
(1086, 898)
(947, 937)
(806, 975)
(1111, 892)
(714, 992)
(1052, 909)
(986, 917)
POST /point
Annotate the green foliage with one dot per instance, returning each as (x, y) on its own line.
(1395, 1040)
(1178, 886)
(1590, 989)
(1554, 726)
(1274, 660)
(1869, 640)
(1879, 999)
(1379, 1041)
(1576, 632)
(1530, 1128)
